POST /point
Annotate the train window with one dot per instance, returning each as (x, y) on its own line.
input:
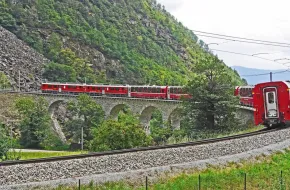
(54, 86)
(49, 86)
(271, 97)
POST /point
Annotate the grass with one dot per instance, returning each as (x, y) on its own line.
(262, 173)
(35, 155)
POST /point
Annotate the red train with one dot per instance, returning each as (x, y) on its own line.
(272, 103)
(245, 94)
(270, 100)
(151, 92)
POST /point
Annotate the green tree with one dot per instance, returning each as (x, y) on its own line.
(87, 114)
(126, 132)
(212, 106)
(7, 20)
(4, 82)
(35, 125)
(159, 132)
(83, 71)
(4, 143)
(59, 73)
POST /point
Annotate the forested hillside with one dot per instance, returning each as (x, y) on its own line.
(116, 41)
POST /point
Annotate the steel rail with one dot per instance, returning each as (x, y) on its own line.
(115, 152)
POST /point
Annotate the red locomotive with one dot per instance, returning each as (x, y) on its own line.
(151, 92)
(245, 94)
(272, 103)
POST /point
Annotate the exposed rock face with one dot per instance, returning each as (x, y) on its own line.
(16, 56)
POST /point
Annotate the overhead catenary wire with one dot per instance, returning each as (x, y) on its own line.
(250, 39)
(237, 53)
(262, 74)
(243, 41)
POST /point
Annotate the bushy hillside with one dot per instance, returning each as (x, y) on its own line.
(124, 41)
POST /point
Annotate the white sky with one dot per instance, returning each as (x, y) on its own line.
(258, 19)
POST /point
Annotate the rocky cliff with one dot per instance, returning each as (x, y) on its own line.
(17, 57)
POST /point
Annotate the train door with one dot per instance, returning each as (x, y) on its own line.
(168, 92)
(271, 103)
(103, 90)
(59, 88)
(129, 91)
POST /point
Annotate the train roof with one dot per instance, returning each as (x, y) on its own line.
(246, 87)
(109, 85)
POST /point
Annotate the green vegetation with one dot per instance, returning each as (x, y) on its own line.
(151, 45)
(35, 128)
(35, 155)
(126, 132)
(85, 113)
(4, 143)
(212, 106)
(4, 82)
(263, 173)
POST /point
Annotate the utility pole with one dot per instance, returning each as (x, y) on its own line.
(271, 76)
(11, 136)
(82, 139)
(19, 80)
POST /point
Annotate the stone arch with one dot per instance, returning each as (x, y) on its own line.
(53, 105)
(146, 115)
(113, 114)
(55, 123)
(175, 118)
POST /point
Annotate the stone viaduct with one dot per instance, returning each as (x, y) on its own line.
(170, 109)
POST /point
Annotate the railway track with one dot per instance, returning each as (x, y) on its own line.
(114, 152)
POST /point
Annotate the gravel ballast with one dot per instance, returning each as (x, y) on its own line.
(103, 168)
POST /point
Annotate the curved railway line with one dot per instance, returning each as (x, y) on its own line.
(115, 152)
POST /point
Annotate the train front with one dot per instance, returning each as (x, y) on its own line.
(271, 103)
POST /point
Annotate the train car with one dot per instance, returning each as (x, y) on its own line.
(150, 92)
(97, 90)
(272, 103)
(245, 95)
(176, 93)
(117, 90)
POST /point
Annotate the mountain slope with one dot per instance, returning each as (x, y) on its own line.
(17, 56)
(124, 41)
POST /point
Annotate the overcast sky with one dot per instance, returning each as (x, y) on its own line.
(259, 19)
